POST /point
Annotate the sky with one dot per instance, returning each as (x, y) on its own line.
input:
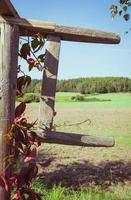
(83, 59)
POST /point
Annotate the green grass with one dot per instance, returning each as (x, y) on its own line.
(65, 96)
(110, 119)
(99, 101)
(118, 100)
(61, 193)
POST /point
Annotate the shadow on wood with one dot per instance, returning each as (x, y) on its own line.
(74, 139)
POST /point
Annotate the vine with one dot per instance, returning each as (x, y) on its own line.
(20, 138)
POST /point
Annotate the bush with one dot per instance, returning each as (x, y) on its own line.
(29, 98)
(78, 98)
(88, 99)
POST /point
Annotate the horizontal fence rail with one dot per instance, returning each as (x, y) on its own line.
(30, 27)
(74, 139)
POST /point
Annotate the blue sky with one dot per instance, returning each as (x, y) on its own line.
(83, 59)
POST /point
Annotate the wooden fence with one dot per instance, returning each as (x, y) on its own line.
(11, 28)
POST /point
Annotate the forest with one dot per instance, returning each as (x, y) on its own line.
(87, 85)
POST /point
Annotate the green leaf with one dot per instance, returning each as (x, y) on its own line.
(41, 57)
(122, 1)
(114, 10)
(126, 17)
(125, 8)
(120, 12)
(25, 51)
(35, 43)
(39, 47)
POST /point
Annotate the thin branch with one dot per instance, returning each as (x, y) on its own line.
(74, 124)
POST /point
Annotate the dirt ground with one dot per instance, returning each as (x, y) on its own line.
(83, 166)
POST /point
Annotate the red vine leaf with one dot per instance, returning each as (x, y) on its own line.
(3, 182)
(25, 51)
(17, 196)
(20, 109)
(32, 155)
(22, 82)
(31, 62)
(33, 170)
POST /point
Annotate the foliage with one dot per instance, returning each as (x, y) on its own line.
(78, 98)
(23, 147)
(23, 142)
(121, 9)
(59, 192)
(87, 85)
(29, 98)
(95, 85)
(28, 52)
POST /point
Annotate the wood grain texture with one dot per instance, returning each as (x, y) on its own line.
(30, 27)
(86, 35)
(74, 139)
(7, 9)
(9, 41)
(49, 82)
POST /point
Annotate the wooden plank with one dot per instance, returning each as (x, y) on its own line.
(49, 82)
(7, 9)
(74, 139)
(9, 41)
(86, 35)
(30, 27)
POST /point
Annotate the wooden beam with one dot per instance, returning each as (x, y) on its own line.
(49, 82)
(30, 27)
(9, 40)
(74, 139)
(86, 35)
(7, 9)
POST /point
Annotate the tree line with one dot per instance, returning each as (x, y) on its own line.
(87, 85)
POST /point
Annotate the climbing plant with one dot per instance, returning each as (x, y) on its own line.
(20, 138)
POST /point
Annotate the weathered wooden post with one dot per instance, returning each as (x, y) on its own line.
(49, 82)
(9, 40)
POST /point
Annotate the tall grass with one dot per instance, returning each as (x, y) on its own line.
(61, 193)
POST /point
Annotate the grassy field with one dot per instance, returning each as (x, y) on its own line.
(105, 101)
(80, 173)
